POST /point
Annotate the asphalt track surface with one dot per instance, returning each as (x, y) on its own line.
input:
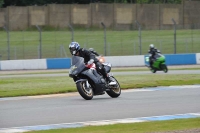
(65, 108)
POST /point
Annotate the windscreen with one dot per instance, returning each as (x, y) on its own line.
(77, 64)
(158, 55)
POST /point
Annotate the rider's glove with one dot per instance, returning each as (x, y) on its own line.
(90, 61)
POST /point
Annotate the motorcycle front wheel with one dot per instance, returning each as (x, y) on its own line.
(114, 90)
(164, 68)
(84, 91)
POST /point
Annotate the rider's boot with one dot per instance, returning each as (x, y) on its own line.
(107, 77)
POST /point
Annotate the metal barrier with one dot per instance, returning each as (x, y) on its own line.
(116, 61)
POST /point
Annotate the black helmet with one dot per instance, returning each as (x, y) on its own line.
(74, 47)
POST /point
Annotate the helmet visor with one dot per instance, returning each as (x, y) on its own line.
(73, 50)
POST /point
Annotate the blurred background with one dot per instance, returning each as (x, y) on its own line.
(112, 27)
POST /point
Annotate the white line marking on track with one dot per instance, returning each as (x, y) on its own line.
(159, 88)
(97, 123)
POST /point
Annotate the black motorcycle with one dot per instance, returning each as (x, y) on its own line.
(89, 82)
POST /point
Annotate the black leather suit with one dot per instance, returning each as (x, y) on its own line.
(153, 52)
(87, 55)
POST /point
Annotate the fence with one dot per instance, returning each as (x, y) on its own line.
(40, 43)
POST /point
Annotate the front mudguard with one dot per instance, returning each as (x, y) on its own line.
(81, 80)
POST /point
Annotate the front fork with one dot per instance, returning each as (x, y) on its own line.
(87, 84)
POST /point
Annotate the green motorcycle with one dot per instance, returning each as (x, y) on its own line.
(158, 63)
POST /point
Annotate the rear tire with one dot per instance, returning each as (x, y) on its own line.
(115, 90)
(86, 93)
(153, 70)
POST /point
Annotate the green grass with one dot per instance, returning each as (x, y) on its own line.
(10, 87)
(24, 44)
(144, 127)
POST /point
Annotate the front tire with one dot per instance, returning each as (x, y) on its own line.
(164, 68)
(115, 90)
(86, 93)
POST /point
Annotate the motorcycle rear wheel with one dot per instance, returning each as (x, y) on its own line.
(86, 93)
(153, 70)
(115, 90)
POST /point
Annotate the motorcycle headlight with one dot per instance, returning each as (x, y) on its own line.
(147, 59)
(72, 71)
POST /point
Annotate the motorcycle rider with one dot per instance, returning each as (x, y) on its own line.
(89, 58)
(153, 51)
